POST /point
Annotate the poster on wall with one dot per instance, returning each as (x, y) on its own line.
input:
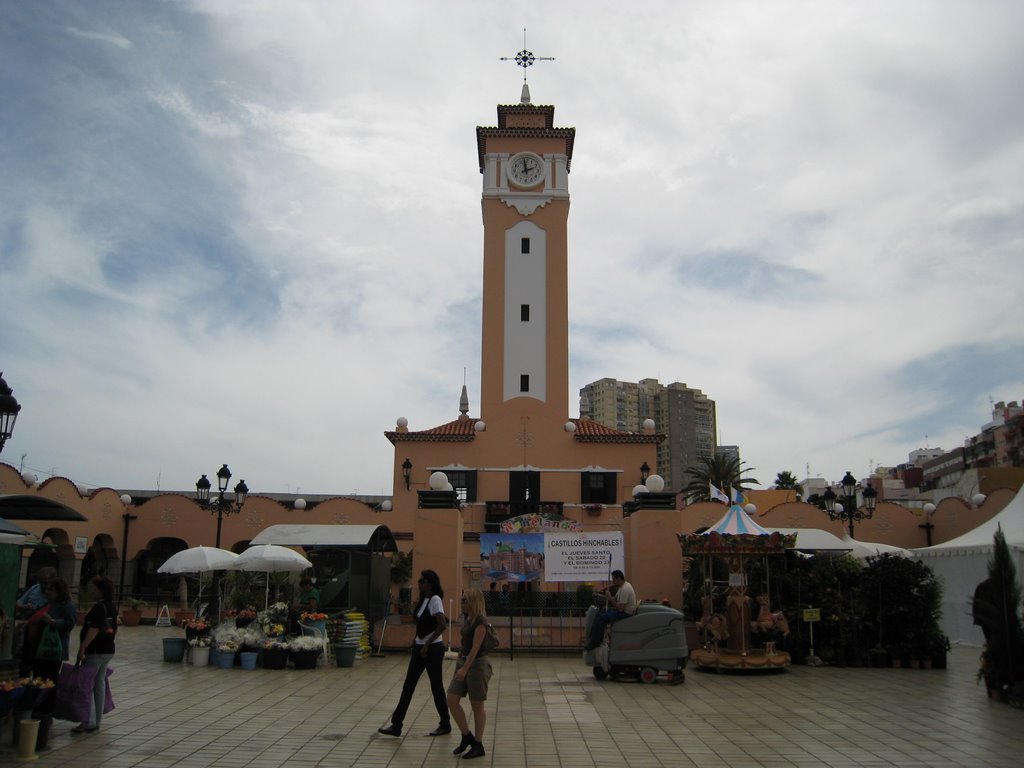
(81, 545)
(582, 556)
(511, 557)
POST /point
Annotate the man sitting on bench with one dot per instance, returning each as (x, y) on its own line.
(621, 605)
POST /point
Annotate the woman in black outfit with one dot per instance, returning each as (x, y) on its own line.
(427, 654)
(96, 647)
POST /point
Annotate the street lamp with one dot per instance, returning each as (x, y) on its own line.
(9, 408)
(407, 472)
(848, 511)
(927, 525)
(220, 506)
(645, 472)
(127, 517)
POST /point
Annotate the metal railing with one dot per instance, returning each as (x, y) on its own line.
(537, 621)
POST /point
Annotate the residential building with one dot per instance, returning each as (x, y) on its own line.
(686, 416)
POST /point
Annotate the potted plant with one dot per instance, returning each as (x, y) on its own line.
(996, 609)
(196, 628)
(304, 651)
(275, 653)
(132, 615)
(938, 650)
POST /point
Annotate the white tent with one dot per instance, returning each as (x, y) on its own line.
(862, 550)
(814, 540)
(962, 564)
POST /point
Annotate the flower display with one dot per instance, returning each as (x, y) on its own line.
(272, 643)
(197, 626)
(241, 613)
(305, 643)
(313, 616)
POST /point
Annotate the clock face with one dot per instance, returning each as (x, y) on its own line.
(526, 170)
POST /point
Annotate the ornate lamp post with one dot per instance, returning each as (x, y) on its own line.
(9, 408)
(927, 525)
(221, 506)
(127, 517)
(848, 512)
(407, 473)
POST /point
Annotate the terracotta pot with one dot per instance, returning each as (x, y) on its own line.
(131, 617)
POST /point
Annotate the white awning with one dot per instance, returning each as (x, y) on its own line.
(375, 537)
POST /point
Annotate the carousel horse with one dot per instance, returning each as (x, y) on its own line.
(713, 624)
(768, 621)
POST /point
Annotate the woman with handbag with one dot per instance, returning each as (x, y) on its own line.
(96, 647)
(472, 675)
(48, 632)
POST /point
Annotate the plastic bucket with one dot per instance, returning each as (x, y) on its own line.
(226, 659)
(345, 655)
(249, 659)
(200, 656)
(174, 649)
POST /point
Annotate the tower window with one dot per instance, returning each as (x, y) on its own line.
(525, 245)
(524, 312)
(524, 382)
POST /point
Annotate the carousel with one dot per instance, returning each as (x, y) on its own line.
(739, 631)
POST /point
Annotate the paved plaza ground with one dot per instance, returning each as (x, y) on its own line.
(543, 711)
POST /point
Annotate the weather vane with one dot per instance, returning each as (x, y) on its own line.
(526, 58)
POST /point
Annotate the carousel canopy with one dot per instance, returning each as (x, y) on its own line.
(736, 522)
(736, 533)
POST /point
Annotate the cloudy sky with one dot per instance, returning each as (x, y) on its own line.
(249, 232)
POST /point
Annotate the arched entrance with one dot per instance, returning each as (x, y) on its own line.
(152, 586)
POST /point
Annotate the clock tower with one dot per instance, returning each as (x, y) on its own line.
(524, 162)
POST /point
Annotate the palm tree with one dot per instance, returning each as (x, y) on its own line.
(722, 471)
(786, 481)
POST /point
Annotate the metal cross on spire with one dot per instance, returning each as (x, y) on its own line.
(526, 58)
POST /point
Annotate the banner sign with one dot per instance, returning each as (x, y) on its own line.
(536, 522)
(511, 557)
(575, 556)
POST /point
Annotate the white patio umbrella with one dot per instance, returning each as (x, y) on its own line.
(198, 560)
(270, 558)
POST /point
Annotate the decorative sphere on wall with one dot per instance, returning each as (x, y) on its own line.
(402, 421)
(928, 509)
(655, 483)
(29, 477)
(648, 423)
(750, 509)
(126, 499)
(480, 426)
(299, 504)
(385, 506)
(978, 499)
(438, 480)
(638, 489)
(570, 426)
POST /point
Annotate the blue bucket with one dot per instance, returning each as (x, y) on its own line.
(249, 659)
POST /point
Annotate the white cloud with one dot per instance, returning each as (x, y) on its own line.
(251, 233)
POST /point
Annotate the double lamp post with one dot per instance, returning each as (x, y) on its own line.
(848, 511)
(220, 506)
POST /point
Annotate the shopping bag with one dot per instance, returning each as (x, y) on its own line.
(74, 693)
(108, 704)
(49, 648)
